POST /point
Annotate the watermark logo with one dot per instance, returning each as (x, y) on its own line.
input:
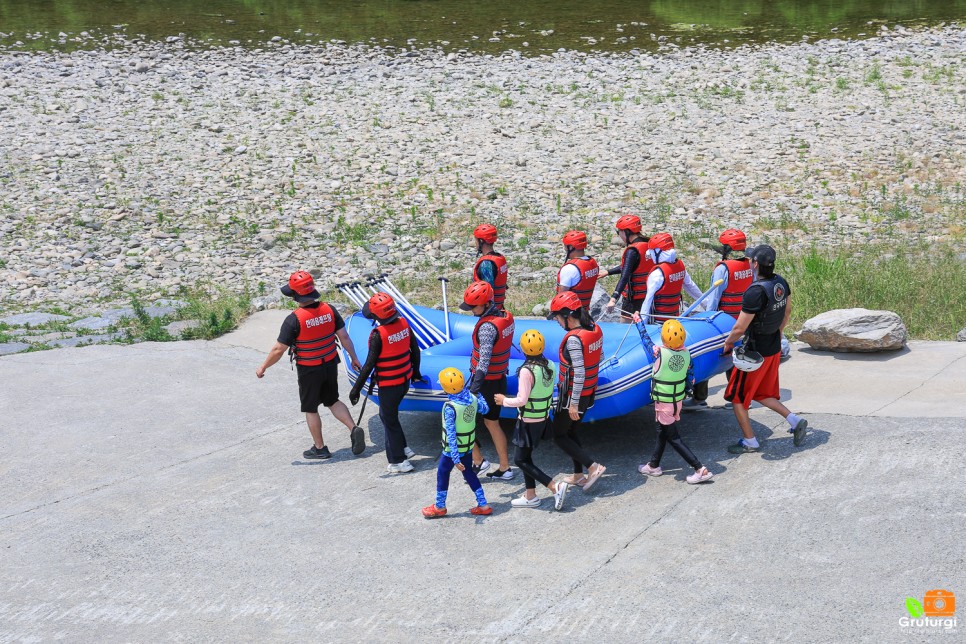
(936, 611)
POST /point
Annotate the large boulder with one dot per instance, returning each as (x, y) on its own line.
(859, 330)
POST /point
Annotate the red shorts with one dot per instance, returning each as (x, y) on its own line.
(746, 386)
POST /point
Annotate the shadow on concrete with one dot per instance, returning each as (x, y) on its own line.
(856, 356)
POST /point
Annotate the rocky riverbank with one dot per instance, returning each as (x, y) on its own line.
(156, 167)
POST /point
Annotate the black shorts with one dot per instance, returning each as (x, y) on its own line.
(489, 389)
(318, 386)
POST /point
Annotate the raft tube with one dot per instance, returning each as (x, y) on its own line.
(624, 379)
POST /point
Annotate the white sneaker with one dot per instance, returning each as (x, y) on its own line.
(400, 468)
(524, 502)
(408, 452)
(482, 468)
(560, 495)
(506, 475)
(700, 476)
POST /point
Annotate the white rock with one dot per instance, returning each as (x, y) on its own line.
(858, 330)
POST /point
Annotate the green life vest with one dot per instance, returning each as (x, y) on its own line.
(465, 426)
(667, 385)
(538, 404)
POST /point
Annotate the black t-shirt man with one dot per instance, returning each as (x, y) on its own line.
(757, 302)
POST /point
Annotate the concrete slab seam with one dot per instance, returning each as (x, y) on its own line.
(917, 387)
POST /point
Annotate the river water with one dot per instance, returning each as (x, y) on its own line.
(529, 26)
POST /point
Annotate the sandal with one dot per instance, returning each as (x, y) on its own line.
(432, 512)
(593, 477)
(479, 510)
(574, 480)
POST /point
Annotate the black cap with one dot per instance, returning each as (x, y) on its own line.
(764, 255)
(466, 307)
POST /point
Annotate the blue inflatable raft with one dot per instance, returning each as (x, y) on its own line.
(624, 382)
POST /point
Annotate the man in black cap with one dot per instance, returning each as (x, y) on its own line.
(309, 334)
(765, 309)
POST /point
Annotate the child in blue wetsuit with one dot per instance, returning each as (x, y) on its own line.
(459, 436)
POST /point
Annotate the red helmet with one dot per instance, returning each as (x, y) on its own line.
(564, 304)
(486, 233)
(300, 286)
(661, 241)
(380, 306)
(733, 238)
(575, 239)
(630, 223)
(476, 294)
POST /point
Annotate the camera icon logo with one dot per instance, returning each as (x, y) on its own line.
(939, 603)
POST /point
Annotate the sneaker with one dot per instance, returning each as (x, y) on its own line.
(315, 452)
(524, 502)
(400, 468)
(358, 438)
(408, 453)
(742, 448)
(650, 471)
(692, 404)
(480, 511)
(503, 475)
(728, 405)
(700, 476)
(482, 467)
(560, 495)
(432, 512)
(799, 432)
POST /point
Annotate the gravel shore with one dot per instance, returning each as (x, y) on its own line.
(156, 166)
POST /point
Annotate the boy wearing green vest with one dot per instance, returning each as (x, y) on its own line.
(672, 379)
(459, 436)
(536, 379)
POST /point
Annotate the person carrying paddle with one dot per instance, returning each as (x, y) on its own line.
(394, 355)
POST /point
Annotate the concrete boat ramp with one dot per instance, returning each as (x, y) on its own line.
(156, 492)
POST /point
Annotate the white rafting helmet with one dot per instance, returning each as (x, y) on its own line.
(746, 359)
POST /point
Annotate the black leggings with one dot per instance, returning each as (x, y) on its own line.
(669, 434)
(523, 459)
(565, 436)
(389, 401)
(701, 388)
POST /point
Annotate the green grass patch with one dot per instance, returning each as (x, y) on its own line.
(926, 286)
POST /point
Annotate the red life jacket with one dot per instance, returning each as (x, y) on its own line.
(740, 276)
(592, 344)
(667, 300)
(394, 365)
(589, 270)
(500, 356)
(315, 343)
(637, 285)
(499, 284)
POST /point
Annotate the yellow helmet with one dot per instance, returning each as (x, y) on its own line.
(673, 334)
(452, 380)
(532, 342)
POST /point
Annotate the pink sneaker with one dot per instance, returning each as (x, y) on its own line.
(700, 476)
(650, 471)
